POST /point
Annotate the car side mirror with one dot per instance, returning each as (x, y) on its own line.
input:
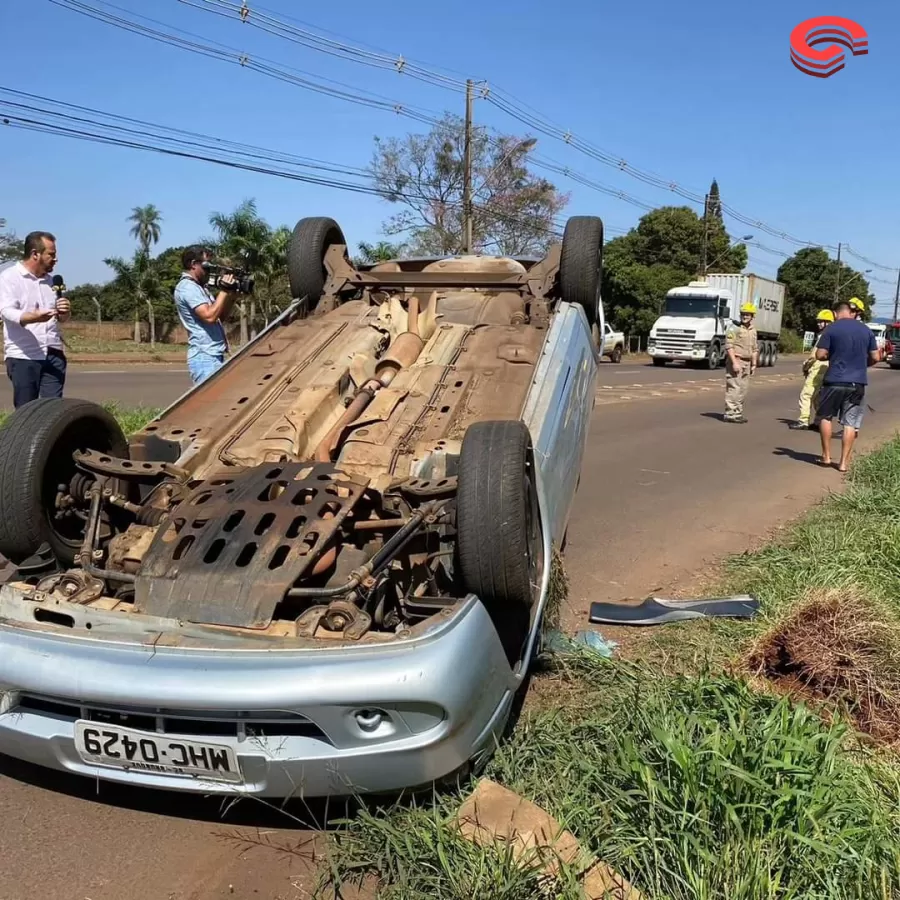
(723, 310)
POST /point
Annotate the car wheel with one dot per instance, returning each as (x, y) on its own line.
(581, 264)
(712, 361)
(616, 355)
(500, 549)
(36, 447)
(306, 257)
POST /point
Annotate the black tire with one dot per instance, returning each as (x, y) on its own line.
(500, 550)
(616, 355)
(306, 254)
(581, 264)
(659, 362)
(714, 357)
(36, 446)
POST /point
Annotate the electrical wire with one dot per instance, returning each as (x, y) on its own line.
(110, 14)
(43, 115)
(262, 18)
(306, 37)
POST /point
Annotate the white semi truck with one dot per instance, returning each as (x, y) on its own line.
(695, 319)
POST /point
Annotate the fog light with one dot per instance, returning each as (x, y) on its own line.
(370, 720)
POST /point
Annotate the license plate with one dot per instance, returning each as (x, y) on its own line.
(124, 748)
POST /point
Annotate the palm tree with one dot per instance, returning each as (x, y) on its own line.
(138, 278)
(145, 225)
(380, 252)
(243, 237)
(274, 266)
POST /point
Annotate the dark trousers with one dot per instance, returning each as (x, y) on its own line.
(34, 378)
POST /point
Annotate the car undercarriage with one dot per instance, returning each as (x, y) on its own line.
(359, 468)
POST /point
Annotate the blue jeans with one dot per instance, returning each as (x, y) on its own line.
(202, 365)
(34, 378)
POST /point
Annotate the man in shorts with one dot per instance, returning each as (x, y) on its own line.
(849, 347)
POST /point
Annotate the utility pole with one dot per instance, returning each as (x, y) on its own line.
(467, 170)
(897, 296)
(837, 278)
(705, 235)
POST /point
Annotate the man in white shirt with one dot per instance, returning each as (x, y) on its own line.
(31, 313)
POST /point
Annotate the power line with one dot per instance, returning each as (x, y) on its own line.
(308, 38)
(260, 17)
(197, 44)
(24, 111)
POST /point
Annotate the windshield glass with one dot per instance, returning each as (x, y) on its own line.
(691, 306)
(893, 333)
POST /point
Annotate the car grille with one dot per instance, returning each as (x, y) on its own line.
(674, 339)
(194, 723)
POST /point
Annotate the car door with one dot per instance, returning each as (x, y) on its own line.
(558, 411)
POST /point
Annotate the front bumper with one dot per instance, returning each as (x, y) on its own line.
(447, 695)
(688, 353)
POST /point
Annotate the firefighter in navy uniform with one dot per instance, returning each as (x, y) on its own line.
(742, 349)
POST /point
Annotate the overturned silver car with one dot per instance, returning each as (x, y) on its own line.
(323, 570)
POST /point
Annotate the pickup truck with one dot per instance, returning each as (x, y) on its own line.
(613, 343)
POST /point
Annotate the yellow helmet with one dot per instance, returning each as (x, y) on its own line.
(856, 303)
(825, 315)
(748, 308)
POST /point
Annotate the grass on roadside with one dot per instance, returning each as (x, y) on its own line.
(691, 787)
(81, 345)
(715, 784)
(131, 419)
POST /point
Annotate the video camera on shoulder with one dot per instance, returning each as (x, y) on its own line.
(243, 280)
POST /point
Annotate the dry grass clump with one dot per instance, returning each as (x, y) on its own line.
(841, 649)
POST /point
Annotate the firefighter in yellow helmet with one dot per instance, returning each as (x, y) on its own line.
(742, 358)
(857, 307)
(814, 370)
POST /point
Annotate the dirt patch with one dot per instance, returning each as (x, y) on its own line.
(841, 651)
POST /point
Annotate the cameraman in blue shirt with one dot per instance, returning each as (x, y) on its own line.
(201, 315)
(850, 348)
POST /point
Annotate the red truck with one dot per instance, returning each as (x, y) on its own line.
(891, 352)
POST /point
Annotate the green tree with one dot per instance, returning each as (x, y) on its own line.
(810, 277)
(272, 287)
(245, 239)
(380, 252)
(82, 299)
(513, 209)
(715, 201)
(139, 280)
(664, 251)
(146, 226)
(11, 247)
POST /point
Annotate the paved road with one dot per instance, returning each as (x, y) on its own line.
(666, 487)
(159, 385)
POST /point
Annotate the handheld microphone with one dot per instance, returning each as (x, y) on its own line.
(59, 288)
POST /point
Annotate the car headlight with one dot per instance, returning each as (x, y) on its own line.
(9, 698)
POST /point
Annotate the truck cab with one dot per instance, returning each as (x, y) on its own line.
(892, 345)
(692, 326)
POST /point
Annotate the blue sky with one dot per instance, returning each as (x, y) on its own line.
(688, 91)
